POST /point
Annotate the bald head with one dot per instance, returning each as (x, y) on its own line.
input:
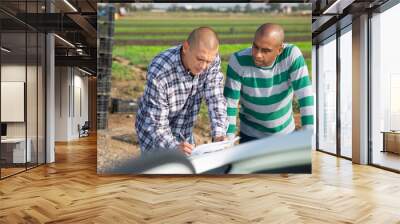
(199, 50)
(204, 37)
(267, 44)
(271, 31)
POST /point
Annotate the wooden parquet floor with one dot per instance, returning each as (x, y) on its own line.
(70, 191)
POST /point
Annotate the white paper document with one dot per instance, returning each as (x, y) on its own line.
(258, 155)
(212, 147)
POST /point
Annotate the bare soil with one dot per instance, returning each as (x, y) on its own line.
(110, 150)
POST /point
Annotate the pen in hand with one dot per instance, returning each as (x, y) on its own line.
(184, 146)
(182, 137)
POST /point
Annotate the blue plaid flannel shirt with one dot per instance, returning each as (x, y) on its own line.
(171, 102)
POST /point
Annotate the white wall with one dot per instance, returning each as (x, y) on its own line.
(61, 103)
(80, 84)
(70, 83)
(12, 101)
(12, 73)
(33, 125)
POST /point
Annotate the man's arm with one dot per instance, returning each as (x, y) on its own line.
(215, 101)
(232, 89)
(302, 87)
(156, 110)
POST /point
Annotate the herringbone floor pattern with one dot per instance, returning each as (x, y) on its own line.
(70, 191)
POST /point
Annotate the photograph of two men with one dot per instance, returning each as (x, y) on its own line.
(204, 88)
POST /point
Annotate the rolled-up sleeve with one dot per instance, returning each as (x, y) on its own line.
(302, 87)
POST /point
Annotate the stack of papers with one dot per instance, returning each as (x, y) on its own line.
(212, 147)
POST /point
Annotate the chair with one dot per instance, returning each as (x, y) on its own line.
(84, 130)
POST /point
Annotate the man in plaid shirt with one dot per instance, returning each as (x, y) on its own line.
(177, 81)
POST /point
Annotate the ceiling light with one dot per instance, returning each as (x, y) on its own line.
(5, 49)
(331, 7)
(71, 6)
(337, 7)
(80, 51)
(65, 41)
(86, 72)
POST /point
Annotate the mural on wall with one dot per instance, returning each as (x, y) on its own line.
(135, 35)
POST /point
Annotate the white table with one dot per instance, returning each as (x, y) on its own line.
(18, 149)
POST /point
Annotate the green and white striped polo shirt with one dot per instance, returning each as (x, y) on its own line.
(266, 93)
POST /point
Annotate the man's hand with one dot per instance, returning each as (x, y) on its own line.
(186, 148)
(220, 138)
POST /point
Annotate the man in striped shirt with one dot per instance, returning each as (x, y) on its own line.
(265, 77)
(177, 81)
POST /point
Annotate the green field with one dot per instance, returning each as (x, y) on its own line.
(176, 26)
(142, 55)
(148, 34)
(181, 37)
(231, 27)
(140, 37)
